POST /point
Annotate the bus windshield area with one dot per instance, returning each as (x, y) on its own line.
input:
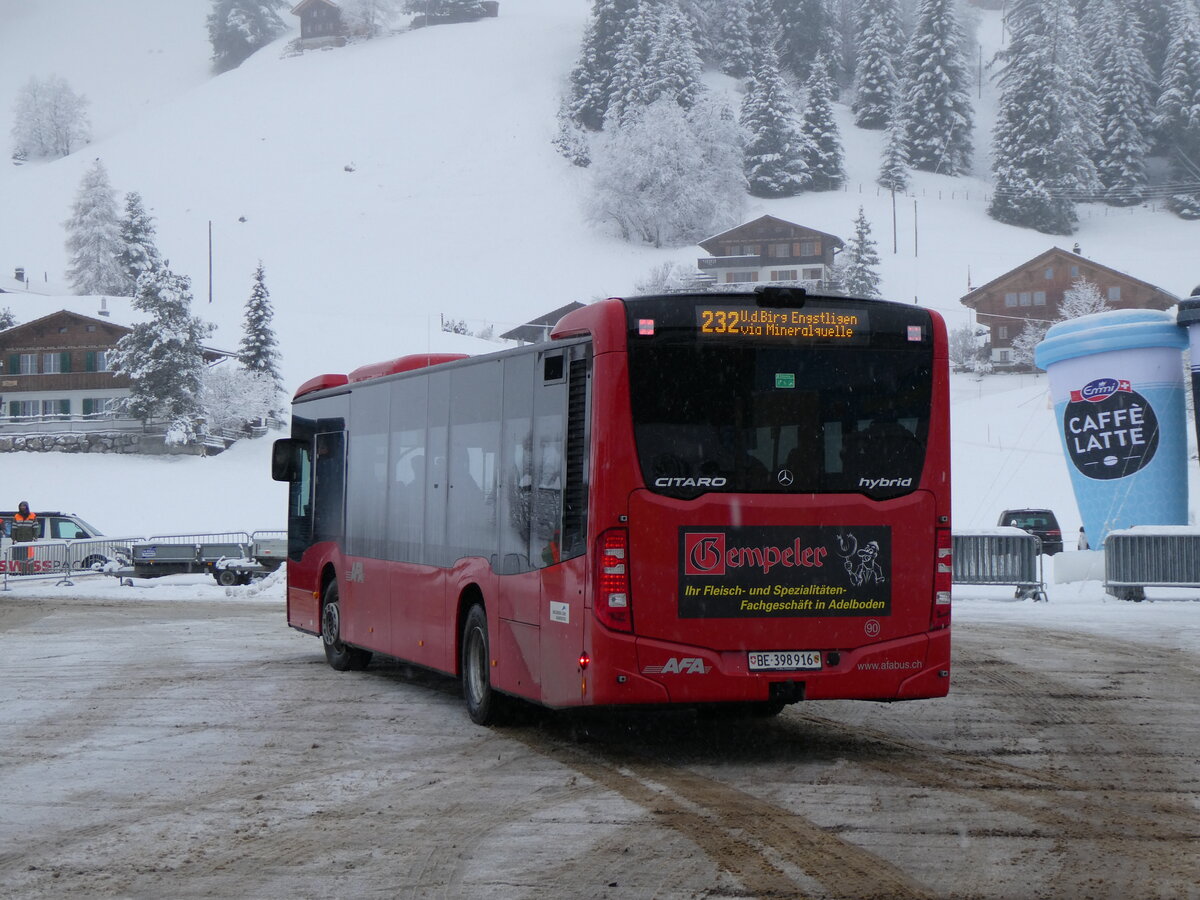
(780, 418)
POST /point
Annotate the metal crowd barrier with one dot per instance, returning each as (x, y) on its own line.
(1000, 556)
(1149, 556)
(62, 559)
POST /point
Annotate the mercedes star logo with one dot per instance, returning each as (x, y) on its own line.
(785, 477)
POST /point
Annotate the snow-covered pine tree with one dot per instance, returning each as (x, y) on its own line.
(629, 90)
(860, 273)
(138, 251)
(733, 42)
(824, 149)
(776, 156)
(237, 28)
(894, 170)
(591, 79)
(259, 350)
(94, 237)
(1177, 113)
(880, 46)
(163, 356)
(673, 67)
(1045, 128)
(657, 59)
(7, 318)
(49, 120)
(1155, 17)
(1123, 101)
(939, 111)
(808, 28)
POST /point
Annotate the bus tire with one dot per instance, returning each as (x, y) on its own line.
(485, 705)
(340, 656)
(227, 577)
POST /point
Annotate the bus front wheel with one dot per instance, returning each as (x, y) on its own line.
(340, 656)
(485, 705)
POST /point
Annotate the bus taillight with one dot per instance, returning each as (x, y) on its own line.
(612, 604)
(943, 576)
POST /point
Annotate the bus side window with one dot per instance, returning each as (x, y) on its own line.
(330, 469)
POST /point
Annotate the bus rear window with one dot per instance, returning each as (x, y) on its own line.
(781, 417)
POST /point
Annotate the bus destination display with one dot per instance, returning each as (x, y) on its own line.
(809, 323)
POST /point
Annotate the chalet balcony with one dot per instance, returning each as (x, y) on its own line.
(728, 262)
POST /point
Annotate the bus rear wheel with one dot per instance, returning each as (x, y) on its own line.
(485, 705)
(340, 656)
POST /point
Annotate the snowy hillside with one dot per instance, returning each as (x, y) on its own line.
(386, 183)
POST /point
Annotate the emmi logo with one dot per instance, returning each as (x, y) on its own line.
(688, 665)
(872, 484)
(356, 573)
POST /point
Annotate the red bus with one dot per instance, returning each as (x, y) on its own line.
(682, 499)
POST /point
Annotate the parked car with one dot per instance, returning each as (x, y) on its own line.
(59, 526)
(53, 526)
(1040, 522)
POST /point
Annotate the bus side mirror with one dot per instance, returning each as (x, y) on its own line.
(285, 459)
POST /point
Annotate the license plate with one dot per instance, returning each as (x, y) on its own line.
(784, 660)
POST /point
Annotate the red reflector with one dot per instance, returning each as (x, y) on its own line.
(612, 602)
(646, 327)
(584, 660)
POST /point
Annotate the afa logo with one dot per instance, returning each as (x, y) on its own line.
(687, 665)
(703, 553)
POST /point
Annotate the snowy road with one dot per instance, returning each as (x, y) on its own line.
(201, 749)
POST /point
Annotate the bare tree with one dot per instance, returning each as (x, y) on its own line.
(49, 120)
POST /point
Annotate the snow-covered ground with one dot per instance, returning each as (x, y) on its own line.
(387, 183)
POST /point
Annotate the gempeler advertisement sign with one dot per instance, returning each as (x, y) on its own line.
(785, 571)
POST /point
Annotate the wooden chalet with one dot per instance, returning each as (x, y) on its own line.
(1035, 289)
(320, 22)
(770, 250)
(56, 369)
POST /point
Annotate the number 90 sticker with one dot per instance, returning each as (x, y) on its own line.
(784, 660)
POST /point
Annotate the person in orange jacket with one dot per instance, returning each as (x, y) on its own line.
(24, 515)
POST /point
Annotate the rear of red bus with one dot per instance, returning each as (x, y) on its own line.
(769, 501)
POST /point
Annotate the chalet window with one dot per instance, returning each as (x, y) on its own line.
(813, 274)
(1010, 299)
(1003, 333)
(22, 408)
(746, 250)
(783, 275)
(781, 250)
(737, 277)
(810, 248)
(96, 361)
(28, 364)
(99, 406)
(1074, 271)
(1114, 293)
(1026, 298)
(1003, 356)
(56, 408)
(1049, 274)
(1039, 298)
(62, 329)
(91, 328)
